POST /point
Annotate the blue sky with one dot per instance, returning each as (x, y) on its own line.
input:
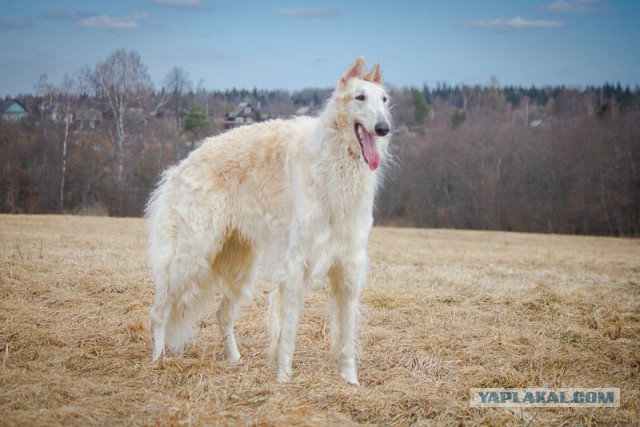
(308, 43)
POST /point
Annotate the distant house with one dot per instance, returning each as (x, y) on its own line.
(87, 118)
(56, 114)
(242, 115)
(13, 111)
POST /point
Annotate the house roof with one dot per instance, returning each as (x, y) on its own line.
(239, 110)
(9, 107)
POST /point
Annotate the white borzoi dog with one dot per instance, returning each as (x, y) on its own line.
(291, 198)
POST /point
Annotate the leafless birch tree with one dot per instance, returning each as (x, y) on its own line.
(66, 94)
(122, 79)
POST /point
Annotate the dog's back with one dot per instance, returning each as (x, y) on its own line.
(238, 180)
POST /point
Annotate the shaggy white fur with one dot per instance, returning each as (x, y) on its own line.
(289, 199)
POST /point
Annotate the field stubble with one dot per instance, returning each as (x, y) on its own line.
(443, 311)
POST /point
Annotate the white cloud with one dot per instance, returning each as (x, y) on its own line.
(13, 22)
(575, 6)
(66, 16)
(189, 3)
(113, 22)
(308, 13)
(517, 23)
(182, 4)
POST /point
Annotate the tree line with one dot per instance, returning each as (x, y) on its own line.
(536, 159)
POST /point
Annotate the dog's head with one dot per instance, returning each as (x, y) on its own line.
(364, 102)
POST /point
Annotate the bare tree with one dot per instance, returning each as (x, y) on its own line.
(66, 93)
(177, 83)
(124, 81)
(84, 83)
(45, 90)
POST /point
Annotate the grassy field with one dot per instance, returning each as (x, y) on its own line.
(444, 311)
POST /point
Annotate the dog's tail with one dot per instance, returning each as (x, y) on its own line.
(173, 319)
(179, 278)
(182, 291)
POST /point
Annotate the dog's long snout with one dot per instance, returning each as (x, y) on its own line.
(382, 128)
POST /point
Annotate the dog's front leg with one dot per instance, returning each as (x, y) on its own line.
(291, 302)
(346, 285)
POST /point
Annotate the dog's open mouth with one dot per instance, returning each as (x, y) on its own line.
(367, 142)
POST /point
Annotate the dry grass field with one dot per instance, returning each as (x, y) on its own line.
(444, 311)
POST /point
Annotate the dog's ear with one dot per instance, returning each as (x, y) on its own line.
(375, 75)
(355, 71)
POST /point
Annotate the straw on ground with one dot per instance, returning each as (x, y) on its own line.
(445, 311)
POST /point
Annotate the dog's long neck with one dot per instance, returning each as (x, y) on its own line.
(335, 134)
(334, 137)
(341, 168)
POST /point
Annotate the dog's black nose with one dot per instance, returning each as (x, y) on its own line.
(382, 128)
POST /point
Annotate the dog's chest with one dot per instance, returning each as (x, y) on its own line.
(338, 225)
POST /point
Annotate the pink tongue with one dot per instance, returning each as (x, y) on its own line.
(370, 150)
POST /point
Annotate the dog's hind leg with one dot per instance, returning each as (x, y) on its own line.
(346, 285)
(236, 267)
(227, 314)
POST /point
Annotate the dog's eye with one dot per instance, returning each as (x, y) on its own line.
(360, 97)
(384, 99)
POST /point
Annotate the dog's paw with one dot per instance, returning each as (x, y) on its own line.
(236, 360)
(283, 377)
(351, 378)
